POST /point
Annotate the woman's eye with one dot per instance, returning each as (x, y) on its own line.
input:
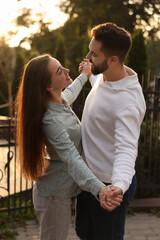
(60, 71)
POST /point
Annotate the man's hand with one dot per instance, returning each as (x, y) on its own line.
(115, 191)
(110, 197)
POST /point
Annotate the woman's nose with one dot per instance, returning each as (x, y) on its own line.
(66, 70)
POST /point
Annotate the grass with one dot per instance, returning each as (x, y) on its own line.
(130, 212)
(8, 224)
(7, 234)
(155, 212)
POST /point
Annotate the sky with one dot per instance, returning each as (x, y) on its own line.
(10, 9)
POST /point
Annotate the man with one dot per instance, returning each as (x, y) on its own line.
(112, 115)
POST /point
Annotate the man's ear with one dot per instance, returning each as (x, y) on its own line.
(113, 59)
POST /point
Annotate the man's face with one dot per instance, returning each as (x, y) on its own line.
(97, 57)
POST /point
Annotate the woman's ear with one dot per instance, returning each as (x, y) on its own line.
(49, 88)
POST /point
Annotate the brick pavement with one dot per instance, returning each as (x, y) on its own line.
(141, 226)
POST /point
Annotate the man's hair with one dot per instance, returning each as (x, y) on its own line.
(115, 40)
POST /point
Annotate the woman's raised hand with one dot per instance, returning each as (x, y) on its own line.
(85, 67)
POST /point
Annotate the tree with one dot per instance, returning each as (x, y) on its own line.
(138, 56)
(60, 50)
(7, 64)
(154, 59)
(128, 14)
(87, 40)
(44, 40)
(19, 65)
(24, 19)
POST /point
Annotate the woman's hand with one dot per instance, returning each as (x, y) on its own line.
(110, 197)
(85, 67)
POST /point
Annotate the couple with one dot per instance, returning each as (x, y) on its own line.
(49, 138)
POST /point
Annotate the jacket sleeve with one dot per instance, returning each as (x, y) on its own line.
(67, 152)
(71, 93)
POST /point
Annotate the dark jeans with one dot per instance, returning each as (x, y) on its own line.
(95, 223)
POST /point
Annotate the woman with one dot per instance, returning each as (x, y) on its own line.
(47, 124)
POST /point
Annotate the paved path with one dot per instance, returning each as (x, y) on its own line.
(141, 226)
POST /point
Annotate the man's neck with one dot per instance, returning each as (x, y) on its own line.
(115, 73)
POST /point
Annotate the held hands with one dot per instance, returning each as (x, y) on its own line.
(85, 67)
(110, 197)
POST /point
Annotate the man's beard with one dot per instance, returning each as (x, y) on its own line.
(99, 68)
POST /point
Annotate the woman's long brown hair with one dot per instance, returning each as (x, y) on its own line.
(30, 106)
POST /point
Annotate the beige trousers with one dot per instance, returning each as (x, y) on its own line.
(54, 215)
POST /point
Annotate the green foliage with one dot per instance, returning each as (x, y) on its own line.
(7, 234)
(8, 224)
(17, 72)
(147, 163)
(74, 56)
(124, 13)
(154, 59)
(7, 64)
(130, 212)
(155, 212)
(7, 61)
(16, 202)
(25, 18)
(44, 41)
(86, 46)
(60, 50)
(138, 55)
(21, 56)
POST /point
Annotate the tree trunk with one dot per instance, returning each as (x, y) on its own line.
(10, 100)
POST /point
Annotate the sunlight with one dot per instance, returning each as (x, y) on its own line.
(11, 9)
(23, 32)
(7, 13)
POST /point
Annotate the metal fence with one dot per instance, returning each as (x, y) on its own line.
(148, 161)
(16, 192)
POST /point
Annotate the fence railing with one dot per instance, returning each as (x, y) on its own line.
(148, 160)
(16, 192)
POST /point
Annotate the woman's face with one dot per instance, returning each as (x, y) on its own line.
(60, 78)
